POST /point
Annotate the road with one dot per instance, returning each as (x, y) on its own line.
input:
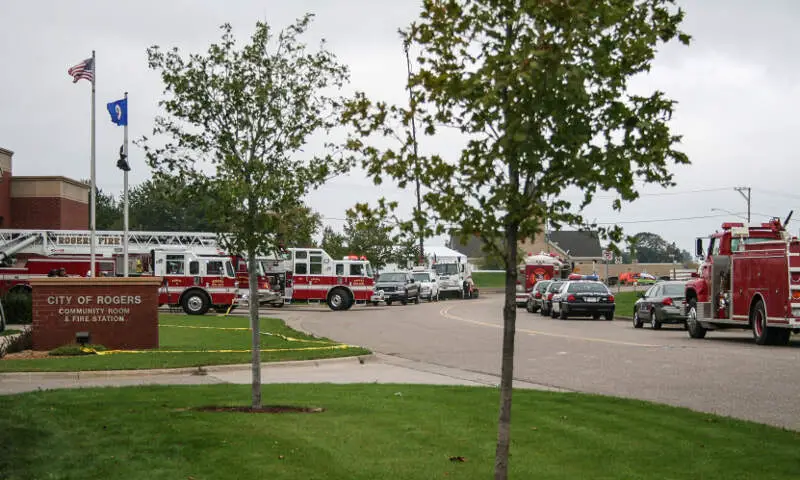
(726, 373)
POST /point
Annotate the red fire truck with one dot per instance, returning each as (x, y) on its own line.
(197, 274)
(310, 274)
(542, 266)
(750, 279)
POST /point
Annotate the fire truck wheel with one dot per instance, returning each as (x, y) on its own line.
(763, 334)
(692, 325)
(654, 323)
(338, 299)
(195, 303)
(637, 321)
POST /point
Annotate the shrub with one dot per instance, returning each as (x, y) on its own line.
(75, 349)
(18, 307)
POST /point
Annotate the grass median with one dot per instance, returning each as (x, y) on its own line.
(489, 279)
(372, 432)
(190, 341)
(624, 302)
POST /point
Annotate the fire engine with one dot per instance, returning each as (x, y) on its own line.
(750, 279)
(542, 266)
(197, 274)
(311, 275)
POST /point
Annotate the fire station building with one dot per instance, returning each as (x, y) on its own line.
(47, 203)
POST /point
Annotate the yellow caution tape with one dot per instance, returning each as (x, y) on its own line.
(284, 337)
(328, 347)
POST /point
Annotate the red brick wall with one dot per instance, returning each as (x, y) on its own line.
(50, 213)
(5, 200)
(107, 308)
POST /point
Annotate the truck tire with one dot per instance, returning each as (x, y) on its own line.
(654, 323)
(763, 334)
(692, 325)
(338, 299)
(195, 302)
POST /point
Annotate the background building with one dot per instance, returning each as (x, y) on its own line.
(49, 202)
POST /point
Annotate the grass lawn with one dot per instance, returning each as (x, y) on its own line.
(489, 279)
(374, 432)
(189, 347)
(624, 302)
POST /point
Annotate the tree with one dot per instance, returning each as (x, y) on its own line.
(540, 92)
(235, 122)
(108, 215)
(370, 236)
(334, 243)
(168, 203)
(651, 248)
(300, 225)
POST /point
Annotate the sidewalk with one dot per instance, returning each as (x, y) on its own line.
(375, 368)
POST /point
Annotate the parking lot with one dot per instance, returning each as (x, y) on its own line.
(726, 373)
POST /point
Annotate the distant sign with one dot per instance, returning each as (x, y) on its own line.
(608, 255)
(618, 260)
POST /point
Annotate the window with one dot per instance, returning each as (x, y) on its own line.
(302, 254)
(339, 269)
(673, 290)
(714, 247)
(422, 277)
(587, 287)
(174, 264)
(650, 291)
(194, 267)
(214, 267)
(370, 273)
(446, 268)
(316, 264)
(301, 268)
(392, 277)
(229, 268)
(356, 270)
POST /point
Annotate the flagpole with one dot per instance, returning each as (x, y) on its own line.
(93, 180)
(125, 193)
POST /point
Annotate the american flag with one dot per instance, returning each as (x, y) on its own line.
(85, 69)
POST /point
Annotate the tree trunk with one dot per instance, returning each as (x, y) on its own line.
(252, 276)
(507, 368)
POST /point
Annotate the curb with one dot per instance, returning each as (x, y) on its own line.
(358, 360)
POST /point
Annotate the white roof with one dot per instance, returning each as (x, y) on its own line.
(443, 252)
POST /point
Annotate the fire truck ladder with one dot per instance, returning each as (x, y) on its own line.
(107, 243)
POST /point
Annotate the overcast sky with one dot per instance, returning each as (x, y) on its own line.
(736, 85)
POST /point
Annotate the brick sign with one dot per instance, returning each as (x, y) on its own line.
(118, 313)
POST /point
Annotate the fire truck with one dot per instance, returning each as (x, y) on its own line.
(749, 279)
(542, 266)
(311, 275)
(197, 274)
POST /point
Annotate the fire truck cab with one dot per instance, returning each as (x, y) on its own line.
(749, 279)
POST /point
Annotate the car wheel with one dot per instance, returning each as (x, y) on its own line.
(692, 324)
(654, 323)
(609, 316)
(404, 301)
(595, 316)
(388, 302)
(637, 321)
(416, 300)
(374, 304)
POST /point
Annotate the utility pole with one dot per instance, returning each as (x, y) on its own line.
(416, 157)
(741, 191)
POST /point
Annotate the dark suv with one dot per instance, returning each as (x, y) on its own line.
(396, 286)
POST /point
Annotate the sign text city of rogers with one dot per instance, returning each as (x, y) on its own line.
(94, 308)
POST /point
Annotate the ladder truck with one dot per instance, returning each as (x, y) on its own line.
(197, 273)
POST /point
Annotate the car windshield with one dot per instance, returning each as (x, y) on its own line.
(673, 290)
(542, 286)
(446, 268)
(587, 287)
(422, 277)
(554, 286)
(392, 277)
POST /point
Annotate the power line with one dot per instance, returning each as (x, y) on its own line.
(683, 192)
(678, 219)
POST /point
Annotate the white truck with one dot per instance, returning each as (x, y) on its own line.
(455, 273)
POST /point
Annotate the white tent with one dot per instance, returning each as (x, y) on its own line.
(444, 253)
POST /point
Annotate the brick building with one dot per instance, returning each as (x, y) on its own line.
(52, 203)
